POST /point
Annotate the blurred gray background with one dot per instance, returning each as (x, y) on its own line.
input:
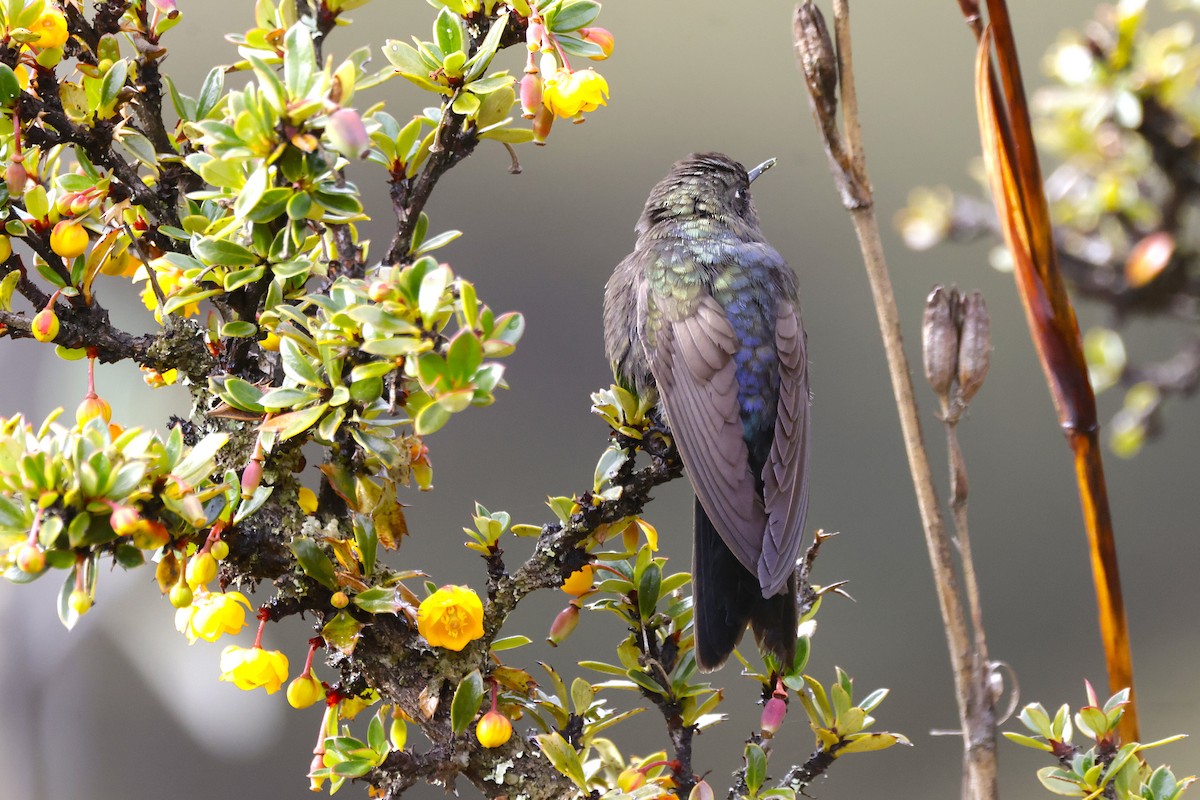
(123, 708)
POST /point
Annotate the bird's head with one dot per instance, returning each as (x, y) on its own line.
(706, 188)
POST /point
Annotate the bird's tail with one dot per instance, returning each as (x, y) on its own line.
(727, 597)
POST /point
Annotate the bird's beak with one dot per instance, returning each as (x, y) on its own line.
(761, 168)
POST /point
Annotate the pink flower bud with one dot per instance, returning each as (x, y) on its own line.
(125, 520)
(542, 122)
(773, 713)
(251, 478)
(534, 34)
(167, 7)
(702, 791)
(16, 176)
(531, 95)
(563, 624)
(347, 134)
(602, 38)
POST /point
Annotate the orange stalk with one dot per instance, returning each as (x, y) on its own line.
(1017, 189)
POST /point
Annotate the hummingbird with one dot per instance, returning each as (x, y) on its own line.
(703, 317)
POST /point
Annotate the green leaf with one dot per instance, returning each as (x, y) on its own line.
(219, 252)
(564, 758)
(430, 419)
(299, 61)
(648, 590)
(352, 768)
(435, 242)
(111, 86)
(510, 643)
(296, 364)
(10, 87)
(342, 632)
(575, 15)
(199, 462)
(66, 615)
(242, 394)
(314, 562)
(239, 329)
(448, 29)
(296, 422)
(467, 699)
(210, 92)
(756, 768)
(377, 600)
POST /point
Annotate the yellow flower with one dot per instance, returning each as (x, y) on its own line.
(51, 28)
(451, 617)
(305, 690)
(124, 265)
(212, 614)
(493, 730)
(170, 279)
(579, 581)
(568, 93)
(250, 668)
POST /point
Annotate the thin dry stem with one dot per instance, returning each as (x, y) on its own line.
(980, 762)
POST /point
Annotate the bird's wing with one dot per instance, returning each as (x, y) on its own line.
(692, 362)
(785, 485)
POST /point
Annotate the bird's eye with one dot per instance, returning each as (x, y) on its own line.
(740, 195)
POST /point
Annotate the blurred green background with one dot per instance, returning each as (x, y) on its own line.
(123, 708)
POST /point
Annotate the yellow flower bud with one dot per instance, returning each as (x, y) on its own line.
(305, 690)
(69, 239)
(30, 559)
(451, 617)
(79, 602)
(579, 582)
(92, 407)
(339, 600)
(45, 325)
(493, 730)
(201, 569)
(181, 595)
(630, 779)
(219, 550)
(5, 248)
(270, 342)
